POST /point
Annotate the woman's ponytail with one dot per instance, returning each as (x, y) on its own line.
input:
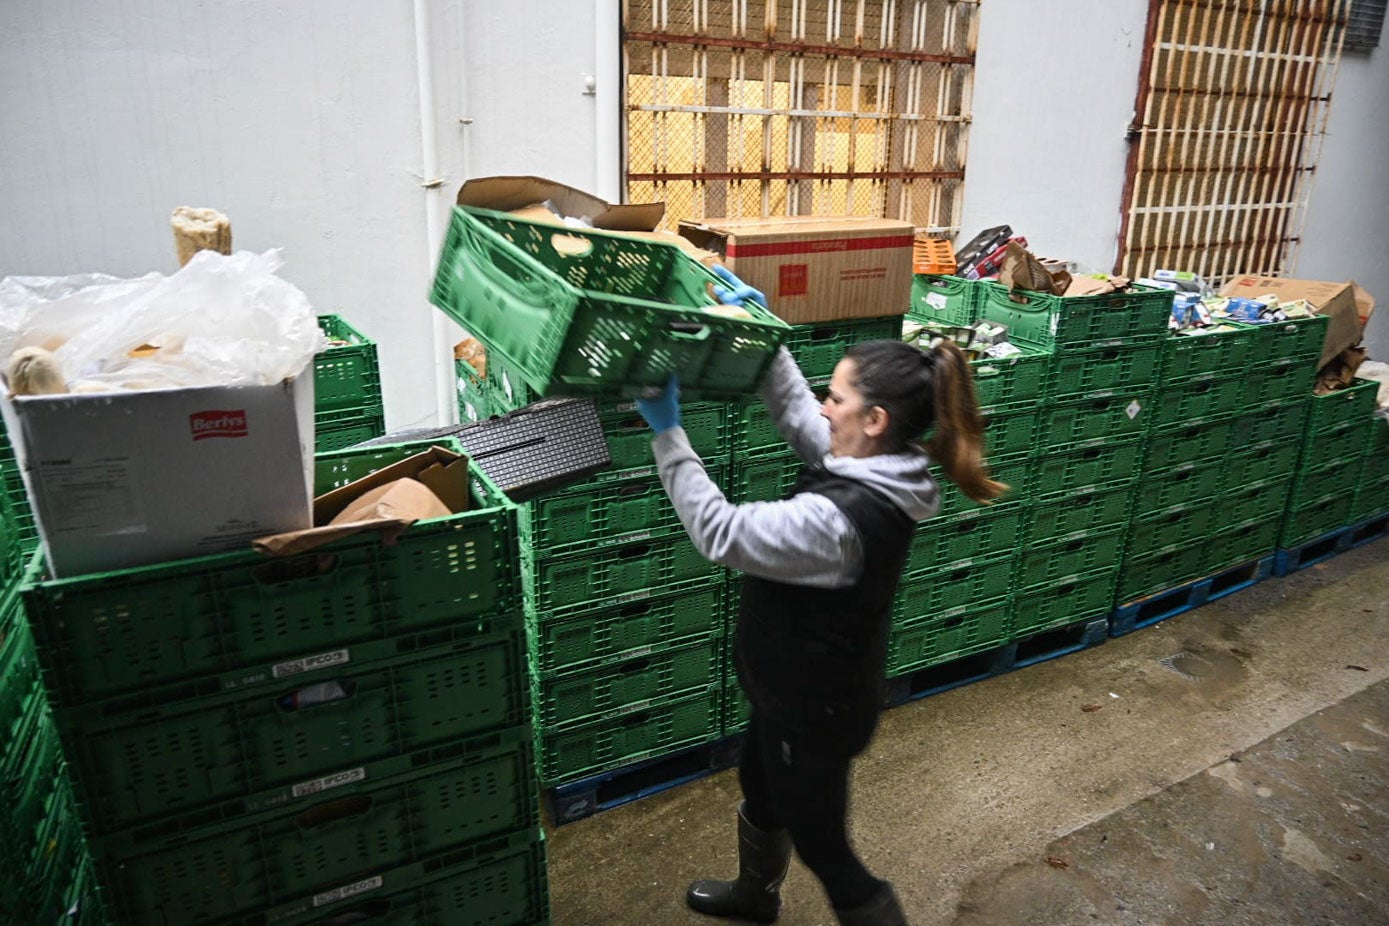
(957, 442)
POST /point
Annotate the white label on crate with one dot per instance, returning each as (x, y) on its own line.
(100, 496)
(628, 538)
(632, 596)
(329, 782)
(335, 657)
(347, 890)
(637, 652)
(936, 299)
(632, 708)
(1133, 409)
(1055, 322)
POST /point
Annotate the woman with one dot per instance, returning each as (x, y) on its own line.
(821, 571)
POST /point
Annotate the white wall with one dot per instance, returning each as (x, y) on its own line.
(303, 121)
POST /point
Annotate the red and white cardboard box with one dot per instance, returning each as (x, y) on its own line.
(123, 479)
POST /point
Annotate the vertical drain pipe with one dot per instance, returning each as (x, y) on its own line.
(607, 100)
(446, 407)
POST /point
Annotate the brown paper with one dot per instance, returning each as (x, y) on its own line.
(439, 472)
(1088, 286)
(1021, 270)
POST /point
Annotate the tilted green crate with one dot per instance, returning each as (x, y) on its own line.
(818, 348)
(612, 689)
(940, 298)
(587, 312)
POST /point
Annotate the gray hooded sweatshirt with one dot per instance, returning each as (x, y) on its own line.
(806, 539)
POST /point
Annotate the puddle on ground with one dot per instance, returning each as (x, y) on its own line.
(1189, 665)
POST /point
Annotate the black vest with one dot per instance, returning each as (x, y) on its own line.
(811, 660)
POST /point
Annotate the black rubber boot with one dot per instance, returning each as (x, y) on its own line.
(882, 909)
(763, 858)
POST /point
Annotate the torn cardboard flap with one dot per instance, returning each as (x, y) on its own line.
(1348, 306)
(513, 194)
(430, 484)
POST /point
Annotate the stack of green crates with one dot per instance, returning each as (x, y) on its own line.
(1218, 463)
(330, 734)
(41, 844)
(1341, 471)
(347, 388)
(1099, 398)
(626, 619)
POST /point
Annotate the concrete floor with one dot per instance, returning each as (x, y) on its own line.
(1244, 782)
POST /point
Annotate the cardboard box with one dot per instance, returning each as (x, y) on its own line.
(1347, 304)
(539, 200)
(128, 479)
(816, 268)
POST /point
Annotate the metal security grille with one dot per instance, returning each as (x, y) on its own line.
(1232, 107)
(798, 107)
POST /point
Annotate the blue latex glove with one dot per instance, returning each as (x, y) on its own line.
(662, 410)
(737, 292)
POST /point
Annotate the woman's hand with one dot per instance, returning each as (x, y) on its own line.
(662, 411)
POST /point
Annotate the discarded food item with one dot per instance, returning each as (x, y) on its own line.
(472, 351)
(1091, 708)
(1060, 863)
(34, 371)
(200, 229)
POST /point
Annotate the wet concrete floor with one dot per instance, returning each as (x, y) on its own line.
(1227, 766)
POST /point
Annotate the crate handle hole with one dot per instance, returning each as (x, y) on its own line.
(952, 622)
(640, 549)
(960, 575)
(637, 489)
(689, 331)
(296, 567)
(333, 811)
(966, 527)
(632, 610)
(633, 720)
(571, 245)
(359, 914)
(1091, 453)
(637, 665)
(320, 693)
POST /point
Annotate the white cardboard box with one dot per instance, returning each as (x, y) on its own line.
(127, 479)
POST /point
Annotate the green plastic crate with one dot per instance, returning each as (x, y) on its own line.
(36, 892)
(1202, 353)
(1196, 440)
(752, 431)
(561, 644)
(1371, 499)
(940, 298)
(507, 387)
(578, 752)
(616, 688)
(1009, 383)
(347, 374)
(1187, 523)
(952, 586)
(1261, 461)
(1014, 471)
(1068, 601)
(28, 776)
(156, 753)
(1265, 499)
(1308, 519)
(1321, 473)
(238, 619)
(586, 312)
(19, 668)
(1376, 466)
(1244, 542)
(764, 479)
(818, 348)
(340, 435)
(1179, 563)
(978, 534)
(602, 513)
(1086, 468)
(498, 881)
(1193, 482)
(1298, 339)
(1271, 382)
(737, 709)
(1202, 398)
(629, 436)
(1110, 418)
(1121, 370)
(1010, 433)
(1284, 420)
(1344, 405)
(1092, 510)
(1055, 322)
(178, 872)
(1042, 566)
(948, 636)
(617, 575)
(474, 392)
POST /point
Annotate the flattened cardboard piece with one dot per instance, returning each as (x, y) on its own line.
(400, 500)
(511, 194)
(1348, 306)
(435, 467)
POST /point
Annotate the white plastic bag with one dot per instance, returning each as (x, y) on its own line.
(221, 320)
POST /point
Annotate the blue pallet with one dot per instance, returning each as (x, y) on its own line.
(1329, 544)
(1018, 654)
(604, 791)
(1150, 609)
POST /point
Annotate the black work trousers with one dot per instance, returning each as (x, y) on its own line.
(787, 786)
